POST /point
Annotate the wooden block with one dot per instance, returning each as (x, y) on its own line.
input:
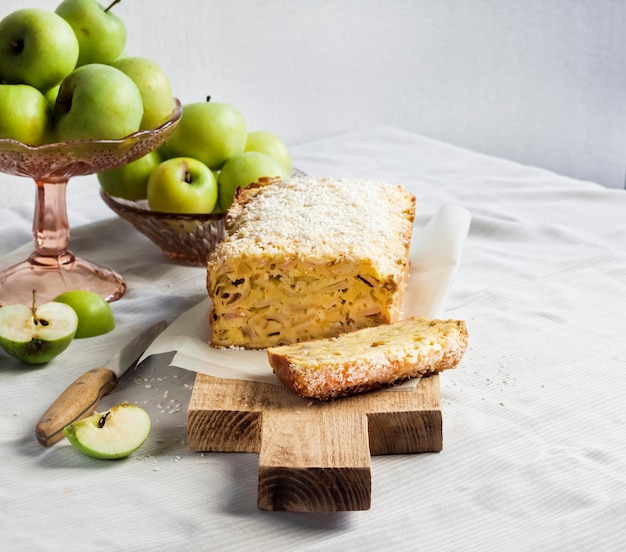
(304, 466)
(313, 456)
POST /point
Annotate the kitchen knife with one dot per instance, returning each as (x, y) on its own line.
(80, 399)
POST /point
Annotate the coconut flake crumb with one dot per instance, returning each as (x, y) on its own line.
(303, 212)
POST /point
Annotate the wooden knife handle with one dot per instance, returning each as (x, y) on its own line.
(78, 401)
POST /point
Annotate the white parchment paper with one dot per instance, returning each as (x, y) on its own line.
(435, 255)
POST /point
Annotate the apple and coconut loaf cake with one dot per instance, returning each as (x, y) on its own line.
(308, 258)
(369, 358)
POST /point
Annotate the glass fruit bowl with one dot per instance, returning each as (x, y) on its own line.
(52, 268)
(186, 239)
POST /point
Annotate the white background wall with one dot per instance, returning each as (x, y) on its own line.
(541, 82)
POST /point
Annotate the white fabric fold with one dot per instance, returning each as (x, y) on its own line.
(534, 453)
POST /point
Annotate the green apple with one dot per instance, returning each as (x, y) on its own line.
(109, 435)
(51, 95)
(182, 185)
(165, 152)
(37, 47)
(269, 143)
(36, 334)
(95, 316)
(154, 87)
(130, 181)
(25, 114)
(100, 32)
(97, 102)
(244, 169)
(211, 132)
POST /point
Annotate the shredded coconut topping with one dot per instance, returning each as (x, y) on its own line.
(322, 217)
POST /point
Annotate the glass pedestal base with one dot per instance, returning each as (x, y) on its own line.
(52, 268)
(51, 276)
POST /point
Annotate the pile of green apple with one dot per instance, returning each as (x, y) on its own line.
(65, 75)
(35, 334)
(198, 169)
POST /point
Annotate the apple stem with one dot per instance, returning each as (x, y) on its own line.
(111, 5)
(208, 98)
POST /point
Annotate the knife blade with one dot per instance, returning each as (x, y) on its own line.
(80, 398)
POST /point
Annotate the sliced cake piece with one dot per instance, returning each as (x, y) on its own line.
(308, 258)
(369, 358)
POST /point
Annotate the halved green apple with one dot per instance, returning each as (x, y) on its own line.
(35, 335)
(112, 434)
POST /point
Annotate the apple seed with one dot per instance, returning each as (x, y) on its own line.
(103, 419)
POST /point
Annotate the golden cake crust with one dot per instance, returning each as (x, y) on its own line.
(369, 358)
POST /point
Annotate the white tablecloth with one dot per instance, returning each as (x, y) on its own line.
(534, 451)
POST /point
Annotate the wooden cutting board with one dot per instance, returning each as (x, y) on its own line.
(313, 456)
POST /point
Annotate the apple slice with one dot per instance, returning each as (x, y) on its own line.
(112, 434)
(35, 335)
